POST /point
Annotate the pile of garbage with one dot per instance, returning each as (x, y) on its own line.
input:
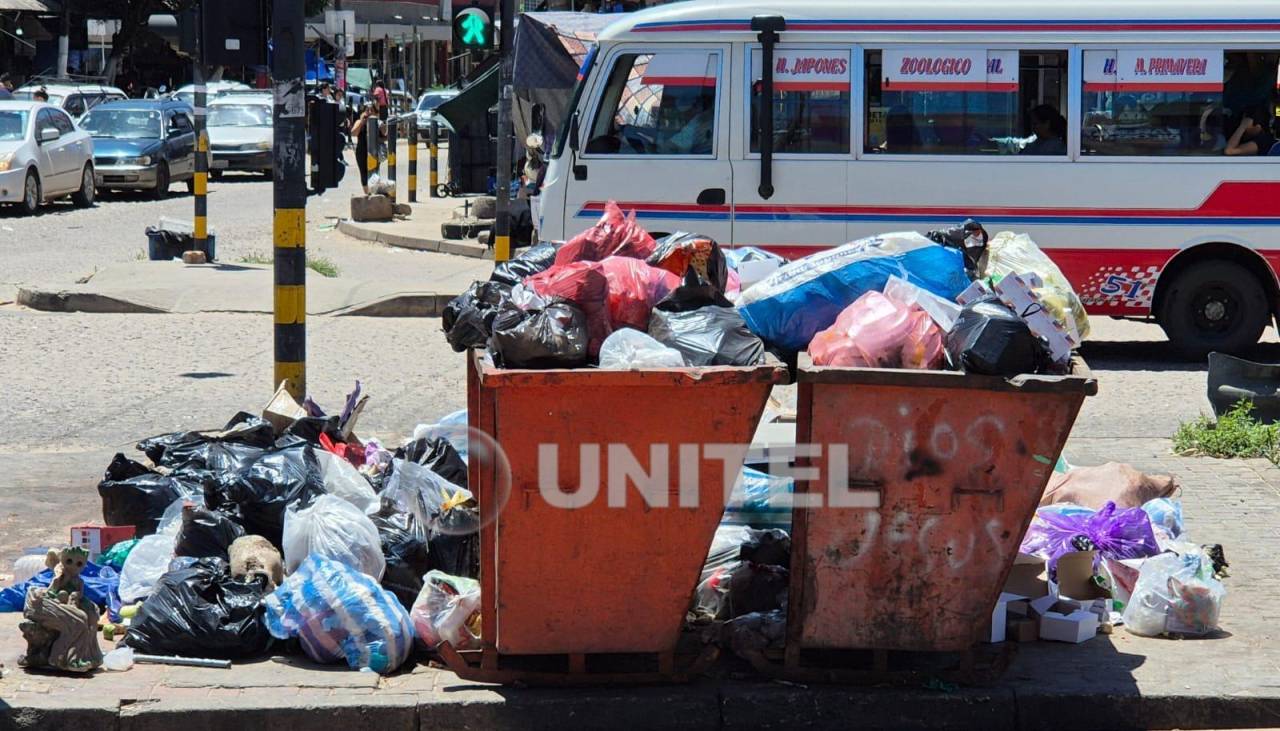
(614, 297)
(222, 544)
(1106, 549)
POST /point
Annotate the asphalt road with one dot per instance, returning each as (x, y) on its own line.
(79, 387)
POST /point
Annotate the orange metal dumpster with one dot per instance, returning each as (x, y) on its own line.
(600, 578)
(943, 472)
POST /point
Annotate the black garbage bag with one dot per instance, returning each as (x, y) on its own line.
(708, 336)
(694, 292)
(971, 239)
(201, 611)
(989, 338)
(736, 588)
(190, 449)
(206, 533)
(405, 548)
(770, 546)
(531, 261)
(134, 495)
(437, 455)
(700, 264)
(261, 491)
(554, 337)
(468, 318)
(309, 428)
(755, 632)
(454, 541)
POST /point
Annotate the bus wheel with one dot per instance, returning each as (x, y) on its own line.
(1214, 306)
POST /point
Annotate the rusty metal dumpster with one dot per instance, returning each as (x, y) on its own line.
(563, 589)
(928, 480)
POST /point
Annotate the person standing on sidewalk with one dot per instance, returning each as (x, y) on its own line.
(362, 146)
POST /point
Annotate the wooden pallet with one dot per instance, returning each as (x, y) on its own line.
(982, 665)
(488, 666)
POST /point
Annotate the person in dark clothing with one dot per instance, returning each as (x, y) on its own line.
(1252, 137)
(362, 147)
(1050, 128)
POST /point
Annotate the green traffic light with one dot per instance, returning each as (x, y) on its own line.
(474, 30)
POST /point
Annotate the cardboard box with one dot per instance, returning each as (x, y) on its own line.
(1075, 628)
(998, 617)
(1042, 605)
(1075, 576)
(1023, 630)
(1028, 577)
(96, 539)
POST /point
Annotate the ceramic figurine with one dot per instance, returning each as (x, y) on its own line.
(61, 625)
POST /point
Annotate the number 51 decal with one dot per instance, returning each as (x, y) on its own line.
(1121, 285)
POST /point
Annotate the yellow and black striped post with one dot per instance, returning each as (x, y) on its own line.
(392, 142)
(433, 149)
(371, 144)
(289, 160)
(200, 224)
(413, 159)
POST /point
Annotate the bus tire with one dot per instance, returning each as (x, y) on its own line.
(1214, 306)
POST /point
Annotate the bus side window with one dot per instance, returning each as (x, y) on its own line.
(965, 101)
(811, 92)
(1189, 114)
(657, 104)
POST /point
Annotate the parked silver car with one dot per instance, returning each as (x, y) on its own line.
(43, 156)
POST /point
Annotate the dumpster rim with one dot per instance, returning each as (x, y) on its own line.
(1080, 380)
(771, 371)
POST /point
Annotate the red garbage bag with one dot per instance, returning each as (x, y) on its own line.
(584, 284)
(634, 288)
(614, 234)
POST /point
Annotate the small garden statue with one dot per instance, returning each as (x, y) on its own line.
(61, 625)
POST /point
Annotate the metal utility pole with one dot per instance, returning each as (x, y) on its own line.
(502, 224)
(64, 40)
(289, 160)
(201, 185)
(340, 60)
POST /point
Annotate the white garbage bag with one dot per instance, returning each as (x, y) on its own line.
(332, 528)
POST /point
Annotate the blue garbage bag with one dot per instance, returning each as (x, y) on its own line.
(790, 306)
(101, 584)
(340, 614)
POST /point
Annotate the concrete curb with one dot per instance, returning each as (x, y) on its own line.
(706, 705)
(425, 304)
(418, 243)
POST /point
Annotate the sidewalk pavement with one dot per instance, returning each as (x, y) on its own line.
(1117, 681)
(420, 230)
(174, 287)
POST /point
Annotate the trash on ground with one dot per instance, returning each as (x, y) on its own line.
(447, 610)
(1122, 484)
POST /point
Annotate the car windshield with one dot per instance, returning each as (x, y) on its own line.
(431, 101)
(13, 125)
(128, 124)
(240, 115)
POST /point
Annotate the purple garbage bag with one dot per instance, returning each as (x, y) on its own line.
(1114, 534)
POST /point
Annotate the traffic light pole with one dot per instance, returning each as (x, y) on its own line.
(289, 162)
(502, 223)
(200, 222)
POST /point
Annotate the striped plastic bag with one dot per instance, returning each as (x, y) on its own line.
(340, 614)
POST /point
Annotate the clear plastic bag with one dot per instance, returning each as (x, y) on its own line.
(943, 311)
(447, 610)
(335, 529)
(1010, 253)
(147, 562)
(342, 479)
(338, 613)
(626, 349)
(1175, 595)
(879, 332)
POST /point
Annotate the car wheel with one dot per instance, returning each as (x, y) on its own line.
(88, 189)
(162, 182)
(1214, 306)
(31, 196)
(215, 175)
(191, 186)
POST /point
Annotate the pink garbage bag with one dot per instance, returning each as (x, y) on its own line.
(879, 332)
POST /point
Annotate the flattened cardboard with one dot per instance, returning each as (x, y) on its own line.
(1028, 577)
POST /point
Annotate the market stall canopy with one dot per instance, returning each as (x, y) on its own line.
(550, 48)
(473, 102)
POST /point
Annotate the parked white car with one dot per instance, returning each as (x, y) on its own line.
(212, 90)
(74, 99)
(426, 109)
(240, 133)
(43, 156)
